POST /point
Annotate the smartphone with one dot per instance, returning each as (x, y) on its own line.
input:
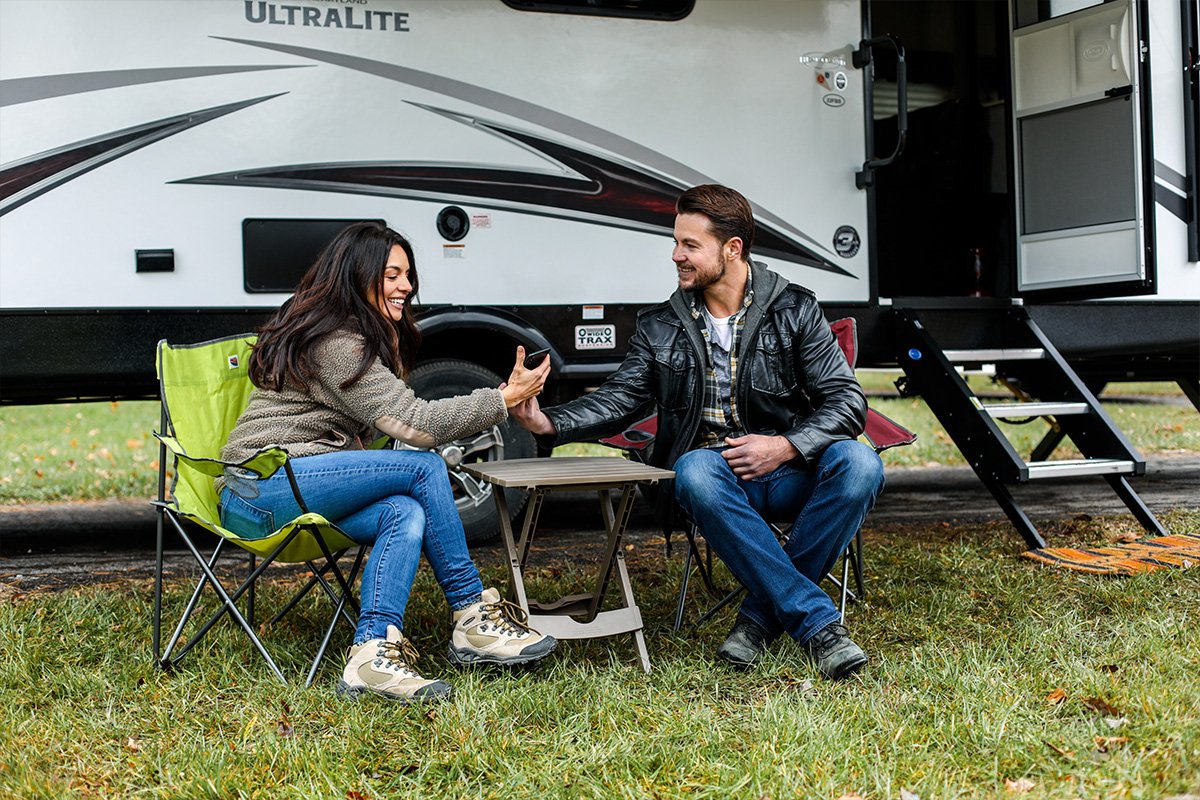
(534, 359)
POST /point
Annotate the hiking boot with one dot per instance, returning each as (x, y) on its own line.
(494, 631)
(384, 667)
(834, 653)
(745, 644)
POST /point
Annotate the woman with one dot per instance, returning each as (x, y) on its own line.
(329, 372)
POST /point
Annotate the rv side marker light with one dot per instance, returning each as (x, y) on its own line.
(914, 354)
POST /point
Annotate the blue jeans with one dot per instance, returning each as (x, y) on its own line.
(828, 505)
(398, 501)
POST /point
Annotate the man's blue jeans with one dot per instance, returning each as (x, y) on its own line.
(828, 504)
(398, 501)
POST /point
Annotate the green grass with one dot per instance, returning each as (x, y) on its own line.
(78, 451)
(967, 642)
(84, 451)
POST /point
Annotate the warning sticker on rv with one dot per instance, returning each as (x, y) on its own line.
(595, 337)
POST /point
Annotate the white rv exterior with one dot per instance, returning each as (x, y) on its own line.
(428, 85)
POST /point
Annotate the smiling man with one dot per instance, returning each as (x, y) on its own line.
(758, 414)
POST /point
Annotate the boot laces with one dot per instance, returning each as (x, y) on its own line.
(400, 655)
(826, 638)
(507, 617)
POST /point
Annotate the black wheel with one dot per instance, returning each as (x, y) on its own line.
(435, 380)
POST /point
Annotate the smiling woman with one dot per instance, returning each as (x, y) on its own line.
(332, 370)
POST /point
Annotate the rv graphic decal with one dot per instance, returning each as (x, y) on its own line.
(1170, 190)
(584, 186)
(25, 179)
(14, 91)
(531, 113)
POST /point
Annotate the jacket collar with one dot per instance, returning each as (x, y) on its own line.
(767, 287)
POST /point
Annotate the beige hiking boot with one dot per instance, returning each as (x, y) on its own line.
(384, 667)
(494, 631)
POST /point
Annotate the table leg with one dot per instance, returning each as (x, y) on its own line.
(515, 579)
(616, 529)
(533, 509)
(639, 637)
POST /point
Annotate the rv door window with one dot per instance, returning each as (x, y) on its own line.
(666, 10)
(1031, 12)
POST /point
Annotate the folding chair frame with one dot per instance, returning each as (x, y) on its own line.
(170, 657)
(851, 564)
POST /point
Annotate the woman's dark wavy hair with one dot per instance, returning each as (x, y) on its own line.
(333, 295)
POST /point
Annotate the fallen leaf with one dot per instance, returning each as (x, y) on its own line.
(283, 726)
(355, 794)
(132, 744)
(1100, 706)
(1106, 743)
(1021, 785)
(1059, 750)
(1056, 697)
(905, 794)
(1126, 537)
(1115, 722)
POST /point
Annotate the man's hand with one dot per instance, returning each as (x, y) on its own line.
(531, 417)
(754, 456)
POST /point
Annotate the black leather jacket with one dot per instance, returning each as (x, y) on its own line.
(792, 379)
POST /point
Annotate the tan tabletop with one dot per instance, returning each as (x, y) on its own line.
(576, 616)
(578, 472)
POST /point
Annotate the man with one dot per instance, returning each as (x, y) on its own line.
(758, 414)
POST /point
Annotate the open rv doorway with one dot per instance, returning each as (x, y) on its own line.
(943, 211)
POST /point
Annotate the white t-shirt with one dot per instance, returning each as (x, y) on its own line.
(719, 330)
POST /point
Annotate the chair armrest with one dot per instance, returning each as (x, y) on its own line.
(883, 432)
(264, 463)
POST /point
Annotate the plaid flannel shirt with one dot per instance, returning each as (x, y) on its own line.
(719, 417)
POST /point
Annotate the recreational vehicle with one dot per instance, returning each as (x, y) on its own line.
(1002, 182)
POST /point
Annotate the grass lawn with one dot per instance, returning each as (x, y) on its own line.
(990, 677)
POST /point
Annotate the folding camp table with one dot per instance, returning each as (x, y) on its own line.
(576, 616)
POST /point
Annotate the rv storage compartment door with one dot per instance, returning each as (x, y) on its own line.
(1078, 137)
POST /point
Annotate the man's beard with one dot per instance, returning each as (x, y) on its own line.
(703, 282)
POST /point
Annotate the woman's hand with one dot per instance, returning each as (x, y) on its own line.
(524, 384)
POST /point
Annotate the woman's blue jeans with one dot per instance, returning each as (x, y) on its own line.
(828, 504)
(398, 501)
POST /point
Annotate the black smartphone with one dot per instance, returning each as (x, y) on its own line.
(534, 359)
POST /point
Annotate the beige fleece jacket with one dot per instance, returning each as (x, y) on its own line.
(322, 417)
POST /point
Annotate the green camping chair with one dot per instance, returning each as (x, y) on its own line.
(204, 388)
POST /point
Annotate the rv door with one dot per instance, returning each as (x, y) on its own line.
(1080, 117)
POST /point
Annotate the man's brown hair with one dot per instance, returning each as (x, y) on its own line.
(728, 212)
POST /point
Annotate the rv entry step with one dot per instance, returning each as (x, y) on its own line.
(937, 345)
